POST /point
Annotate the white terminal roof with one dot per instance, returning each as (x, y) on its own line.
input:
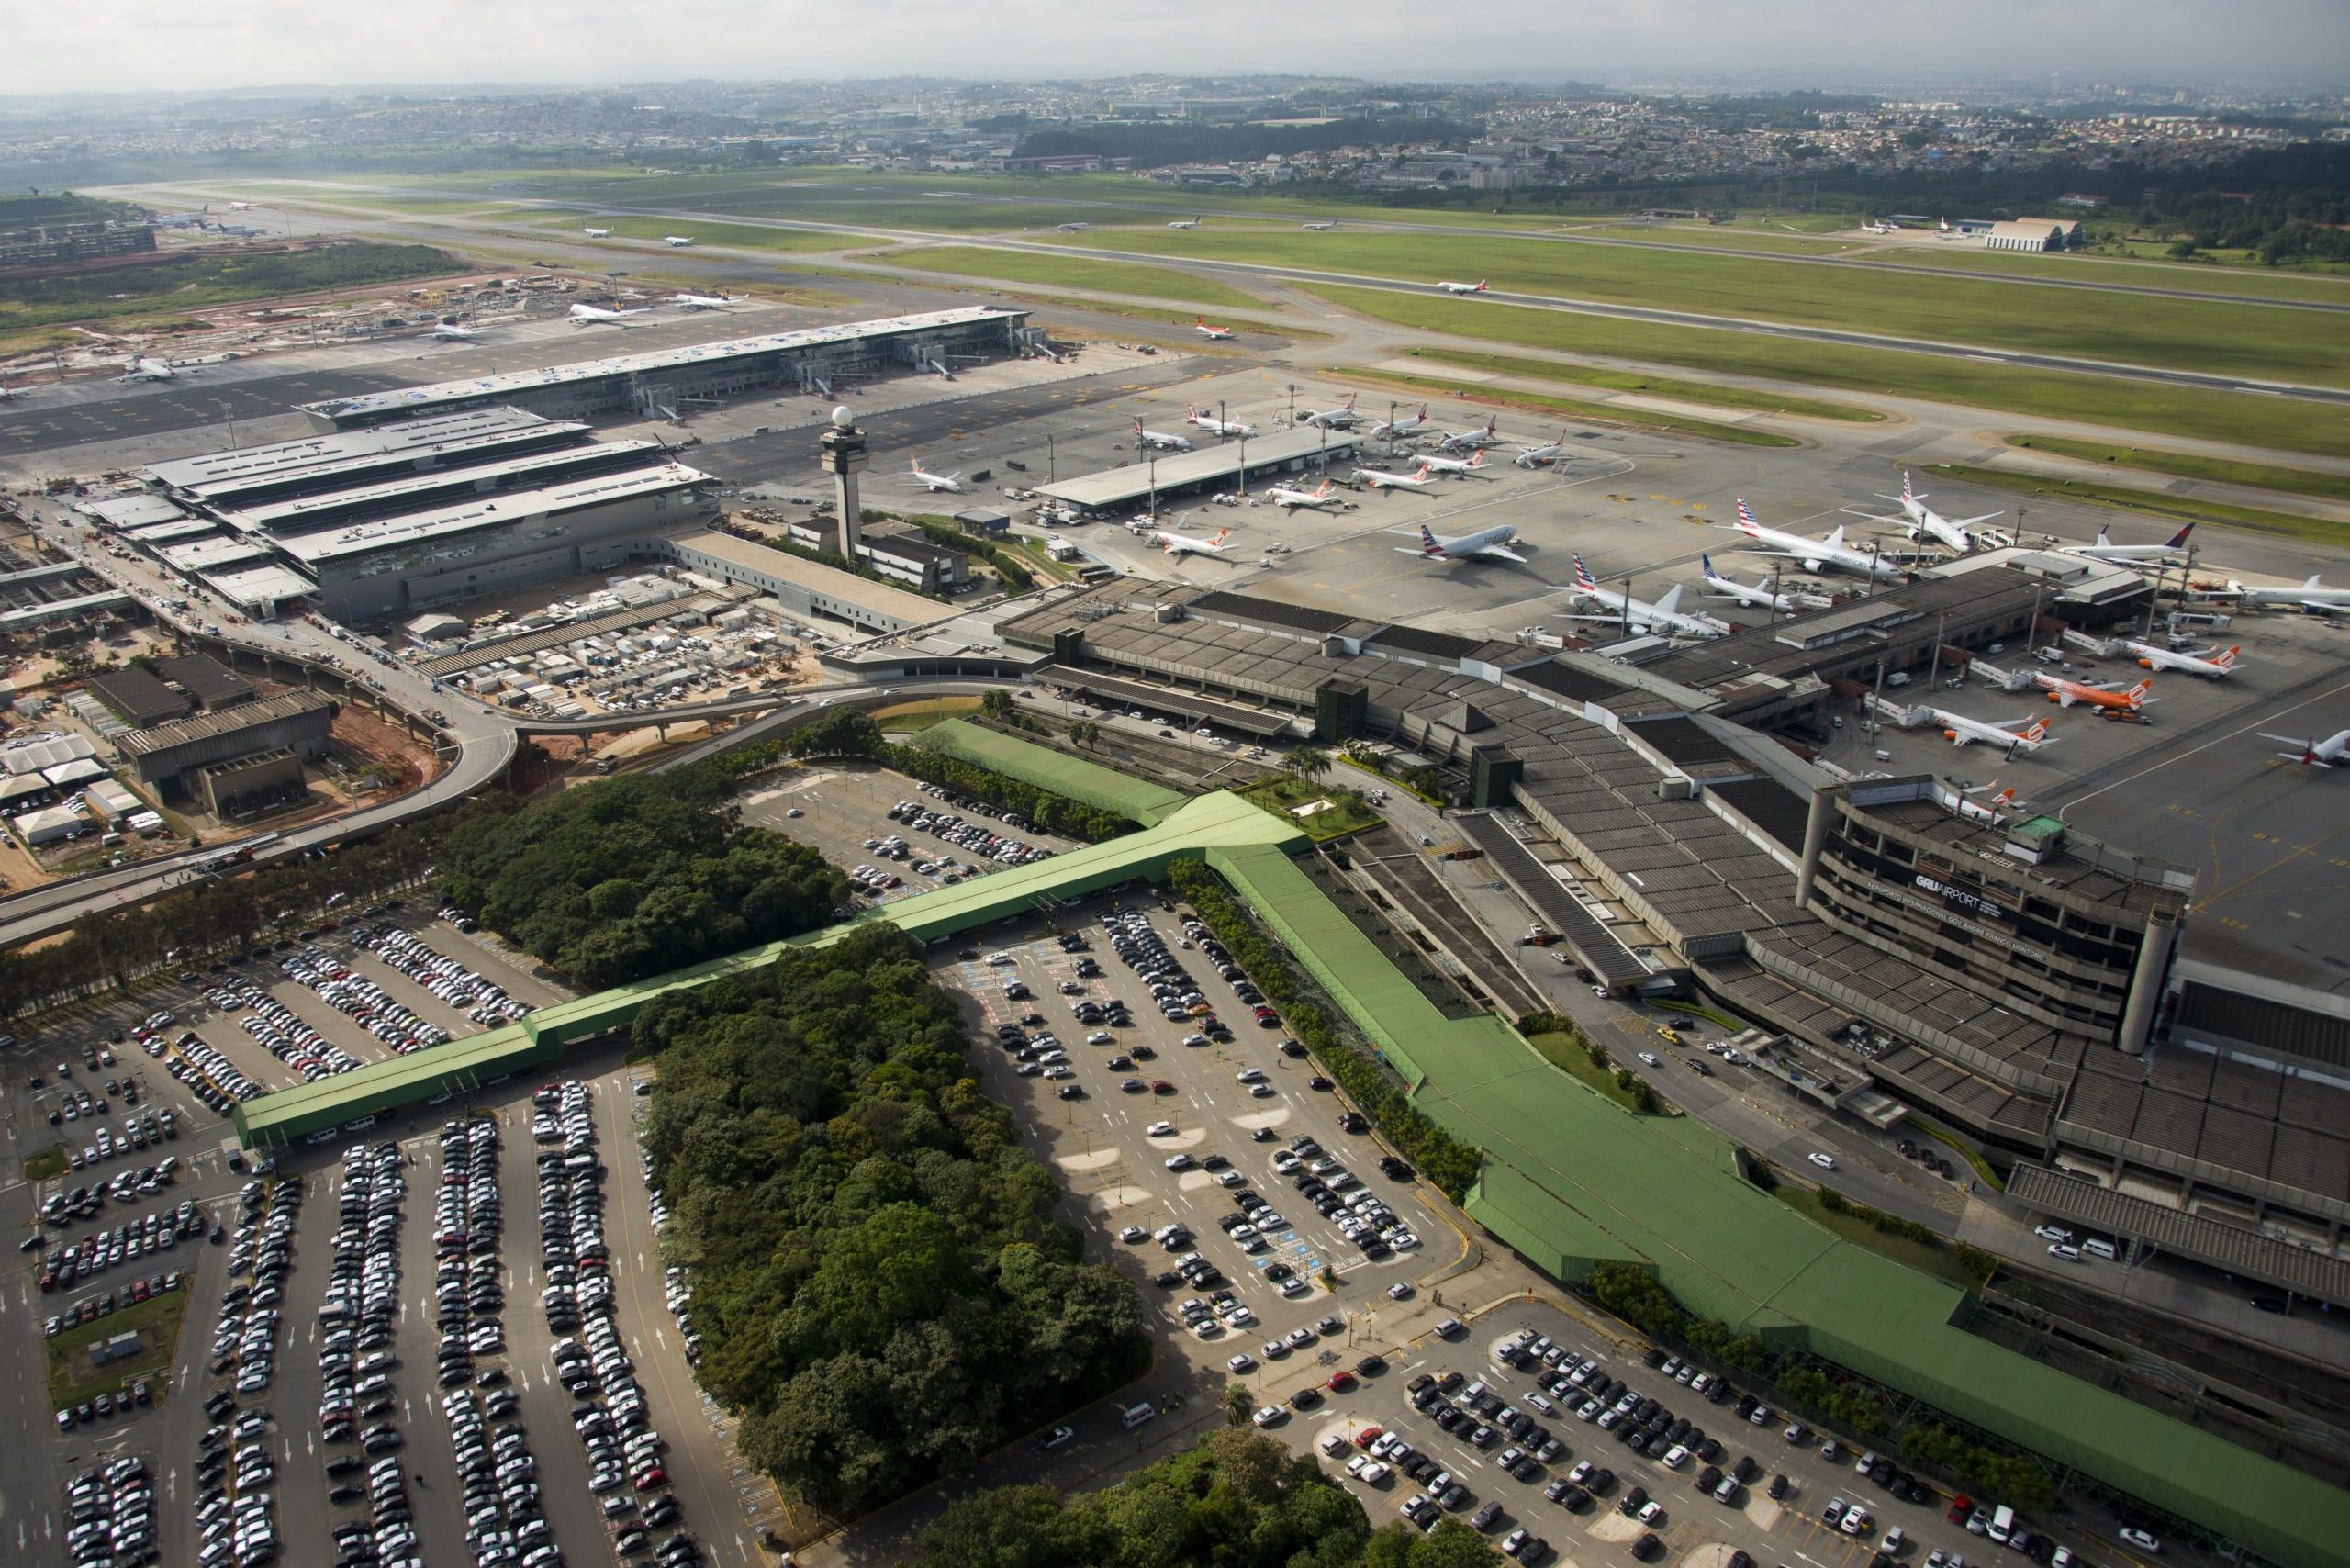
(486, 512)
(44, 752)
(131, 511)
(376, 404)
(206, 555)
(294, 511)
(213, 476)
(248, 588)
(156, 534)
(1214, 461)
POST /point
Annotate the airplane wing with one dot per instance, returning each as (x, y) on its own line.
(1407, 550)
(1502, 553)
(1971, 521)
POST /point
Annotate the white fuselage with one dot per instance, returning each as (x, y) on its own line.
(1959, 730)
(1320, 500)
(1786, 603)
(1817, 555)
(1379, 479)
(2153, 658)
(1464, 467)
(1164, 443)
(2312, 595)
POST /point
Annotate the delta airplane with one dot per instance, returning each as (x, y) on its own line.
(2316, 753)
(1184, 545)
(1476, 288)
(1988, 810)
(1214, 426)
(1663, 615)
(1379, 479)
(1185, 223)
(460, 333)
(2102, 698)
(1323, 228)
(2131, 554)
(1960, 730)
(1787, 602)
(598, 316)
(142, 368)
(1816, 555)
(1544, 456)
(1487, 544)
(1219, 334)
(1290, 499)
(951, 483)
(703, 301)
(1459, 467)
(1921, 519)
(1386, 430)
(2312, 596)
(596, 233)
(1473, 441)
(1338, 418)
(2198, 663)
(1163, 442)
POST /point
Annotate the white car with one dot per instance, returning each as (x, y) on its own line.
(1159, 1129)
(1826, 1163)
(1271, 1416)
(2140, 1539)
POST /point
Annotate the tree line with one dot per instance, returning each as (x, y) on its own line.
(1444, 1160)
(850, 733)
(1156, 146)
(1237, 1500)
(883, 1287)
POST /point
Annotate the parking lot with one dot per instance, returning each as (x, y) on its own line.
(844, 811)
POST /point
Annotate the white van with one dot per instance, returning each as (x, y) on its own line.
(2003, 1524)
(2066, 1251)
(1135, 1415)
(2096, 1246)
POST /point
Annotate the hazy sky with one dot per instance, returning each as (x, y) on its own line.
(138, 44)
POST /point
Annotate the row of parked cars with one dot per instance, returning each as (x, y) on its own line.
(110, 1514)
(1339, 1196)
(158, 1230)
(952, 827)
(361, 999)
(483, 1000)
(276, 1030)
(236, 1507)
(210, 1076)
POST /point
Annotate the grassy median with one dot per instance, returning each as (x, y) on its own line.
(1070, 272)
(156, 1321)
(2190, 466)
(1486, 394)
(1654, 386)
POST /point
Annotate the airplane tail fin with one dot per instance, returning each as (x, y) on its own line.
(1746, 524)
(2178, 541)
(1835, 539)
(1909, 494)
(1582, 575)
(1429, 546)
(1481, 285)
(1671, 601)
(2038, 731)
(1706, 562)
(2137, 694)
(1138, 427)
(1491, 420)
(1423, 473)
(2312, 585)
(1221, 535)
(2228, 659)
(1351, 401)
(2103, 537)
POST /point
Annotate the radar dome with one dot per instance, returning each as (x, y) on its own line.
(842, 418)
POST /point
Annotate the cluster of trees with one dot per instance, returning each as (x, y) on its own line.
(186, 281)
(2013, 1479)
(2288, 205)
(1840, 1401)
(840, 562)
(1015, 572)
(847, 732)
(1157, 146)
(1442, 1157)
(883, 1287)
(635, 876)
(1238, 1500)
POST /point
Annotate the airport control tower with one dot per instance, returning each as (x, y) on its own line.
(844, 456)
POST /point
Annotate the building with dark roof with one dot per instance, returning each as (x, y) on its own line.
(295, 721)
(211, 683)
(138, 698)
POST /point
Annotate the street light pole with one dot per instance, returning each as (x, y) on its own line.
(1052, 468)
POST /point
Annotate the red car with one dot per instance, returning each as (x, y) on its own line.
(1160, 1086)
(652, 1478)
(1960, 1507)
(1340, 1382)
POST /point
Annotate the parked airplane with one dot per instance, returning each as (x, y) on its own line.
(1921, 519)
(452, 330)
(2317, 753)
(1379, 479)
(951, 483)
(1544, 456)
(1987, 811)
(1214, 426)
(1070, 229)
(1385, 431)
(2103, 699)
(1459, 467)
(2132, 554)
(7, 393)
(1960, 730)
(1664, 615)
(598, 316)
(1163, 442)
(1882, 228)
(142, 368)
(241, 206)
(1787, 601)
(1320, 500)
(1184, 545)
(1476, 288)
(596, 233)
(1323, 228)
(2200, 661)
(1207, 331)
(1338, 418)
(1185, 223)
(680, 241)
(1473, 441)
(1487, 543)
(1816, 554)
(2312, 596)
(703, 301)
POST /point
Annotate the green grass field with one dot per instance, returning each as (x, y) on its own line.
(2155, 503)
(2228, 339)
(156, 1321)
(744, 236)
(1564, 407)
(2188, 465)
(178, 284)
(1656, 386)
(2278, 423)
(1282, 795)
(1942, 1262)
(1724, 236)
(1070, 272)
(44, 1163)
(2192, 277)
(1566, 1053)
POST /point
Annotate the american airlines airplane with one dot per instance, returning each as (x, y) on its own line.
(596, 233)
(1161, 441)
(1487, 544)
(1544, 456)
(452, 330)
(598, 316)
(2312, 596)
(1214, 426)
(1338, 418)
(1664, 615)
(680, 241)
(703, 301)
(2132, 554)
(1384, 430)
(951, 483)
(1960, 730)
(1459, 467)
(1379, 479)
(1787, 601)
(1476, 288)
(1219, 333)
(1473, 441)
(1184, 545)
(1322, 228)
(1922, 520)
(1185, 223)
(1816, 554)
(2200, 661)
(1282, 496)
(2317, 753)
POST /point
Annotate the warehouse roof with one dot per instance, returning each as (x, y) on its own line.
(487, 511)
(1116, 487)
(296, 512)
(228, 721)
(206, 679)
(133, 512)
(215, 476)
(138, 697)
(898, 604)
